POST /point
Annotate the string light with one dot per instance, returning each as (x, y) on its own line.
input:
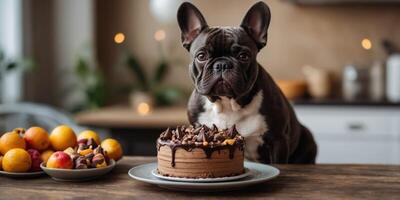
(119, 38)
(159, 35)
(366, 44)
(143, 108)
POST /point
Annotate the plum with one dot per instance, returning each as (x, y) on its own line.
(36, 160)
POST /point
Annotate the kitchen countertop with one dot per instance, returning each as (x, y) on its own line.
(121, 116)
(295, 182)
(342, 102)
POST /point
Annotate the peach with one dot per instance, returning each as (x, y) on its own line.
(36, 160)
(113, 148)
(62, 137)
(10, 141)
(17, 160)
(89, 134)
(37, 138)
(60, 160)
(1, 163)
(46, 155)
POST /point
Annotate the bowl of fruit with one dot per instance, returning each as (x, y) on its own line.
(60, 154)
(21, 152)
(88, 161)
(80, 158)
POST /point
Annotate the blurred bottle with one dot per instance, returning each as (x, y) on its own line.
(355, 82)
(392, 72)
(377, 82)
(318, 81)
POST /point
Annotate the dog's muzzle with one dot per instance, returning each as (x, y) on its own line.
(222, 65)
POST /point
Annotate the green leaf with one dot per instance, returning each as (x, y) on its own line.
(11, 66)
(137, 70)
(22, 64)
(1, 56)
(93, 84)
(27, 64)
(96, 93)
(168, 95)
(82, 68)
(161, 72)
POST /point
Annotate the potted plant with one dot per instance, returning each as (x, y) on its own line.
(150, 89)
(7, 65)
(92, 85)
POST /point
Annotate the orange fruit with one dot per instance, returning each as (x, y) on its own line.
(37, 138)
(45, 155)
(62, 137)
(85, 152)
(113, 148)
(11, 140)
(89, 134)
(1, 163)
(17, 160)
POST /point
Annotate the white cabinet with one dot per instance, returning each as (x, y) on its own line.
(354, 134)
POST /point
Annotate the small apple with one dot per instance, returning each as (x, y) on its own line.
(60, 160)
(36, 160)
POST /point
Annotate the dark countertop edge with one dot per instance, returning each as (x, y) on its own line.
(342, 102)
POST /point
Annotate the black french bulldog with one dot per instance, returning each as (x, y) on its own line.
(231, 88)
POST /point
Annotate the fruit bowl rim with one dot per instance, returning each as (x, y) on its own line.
(22, 173)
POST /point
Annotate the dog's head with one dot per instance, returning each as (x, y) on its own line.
(224, 58)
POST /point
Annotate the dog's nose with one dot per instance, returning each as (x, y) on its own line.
(221, 66)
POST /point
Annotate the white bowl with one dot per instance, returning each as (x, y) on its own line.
(77, 174)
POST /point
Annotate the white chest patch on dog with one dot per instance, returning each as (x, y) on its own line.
(224, 113)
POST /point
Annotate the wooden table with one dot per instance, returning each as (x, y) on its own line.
(295, 182)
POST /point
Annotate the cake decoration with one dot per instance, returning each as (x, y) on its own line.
(201, 136)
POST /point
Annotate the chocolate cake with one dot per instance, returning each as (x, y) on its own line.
(200, 152)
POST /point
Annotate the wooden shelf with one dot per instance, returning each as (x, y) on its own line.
(126, 117)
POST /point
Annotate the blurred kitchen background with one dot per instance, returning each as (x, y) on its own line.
(118, 67)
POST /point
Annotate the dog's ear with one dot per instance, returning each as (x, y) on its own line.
(191, 22)
(256, 22)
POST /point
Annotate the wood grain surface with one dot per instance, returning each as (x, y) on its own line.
(295, 182)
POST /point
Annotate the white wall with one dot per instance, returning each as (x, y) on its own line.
(73, 37)
(11, 44)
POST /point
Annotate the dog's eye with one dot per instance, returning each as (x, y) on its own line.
(243, 57)
(201, 56)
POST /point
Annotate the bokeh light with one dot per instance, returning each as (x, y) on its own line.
(143, 108)
(119, 38)
(159, 35)
(366, 43)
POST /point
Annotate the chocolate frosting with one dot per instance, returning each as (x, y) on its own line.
(201, 136)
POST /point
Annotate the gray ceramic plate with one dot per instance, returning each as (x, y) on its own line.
(77, 174)
(22, 174)
(201, 180)
(259, 173)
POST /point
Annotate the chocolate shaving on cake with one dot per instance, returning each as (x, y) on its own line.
(201, 136)
(232, 132)
(215, 128)
(166, 135)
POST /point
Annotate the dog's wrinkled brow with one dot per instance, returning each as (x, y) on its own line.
(219, 41)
